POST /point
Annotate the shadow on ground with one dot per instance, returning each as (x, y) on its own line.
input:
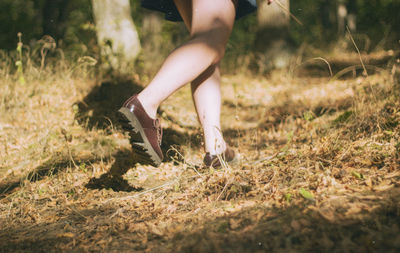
(98, 109)
(124, 160)
(49, 168)
(295, 228)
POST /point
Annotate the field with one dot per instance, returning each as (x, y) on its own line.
(319, 167)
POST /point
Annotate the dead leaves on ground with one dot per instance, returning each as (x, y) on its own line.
(317, 171)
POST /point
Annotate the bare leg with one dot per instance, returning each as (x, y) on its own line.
(206, 94)
(210, 26)
(207, 98)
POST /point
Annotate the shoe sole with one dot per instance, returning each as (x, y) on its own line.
(138, 139)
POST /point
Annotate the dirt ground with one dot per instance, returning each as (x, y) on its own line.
(318, 171)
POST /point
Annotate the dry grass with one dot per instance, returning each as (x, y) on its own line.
(319, 167)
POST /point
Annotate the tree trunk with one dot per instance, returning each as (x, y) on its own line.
(272, 39)
(341, 17)
(347, 16)
(116, 33)
(352, 15)
(325, 14)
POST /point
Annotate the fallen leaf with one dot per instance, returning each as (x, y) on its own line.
(357, 175)
(68, 235)
(306, 194)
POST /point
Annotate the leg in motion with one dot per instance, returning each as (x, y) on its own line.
(207, 99)
(210, 26)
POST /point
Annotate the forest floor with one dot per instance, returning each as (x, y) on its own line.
(319, 168)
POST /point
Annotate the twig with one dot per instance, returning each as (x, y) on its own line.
(267, 158)
(9, 209)
(358, 51)
(192, 166)
(226, 185)
(224, 164)
(64, 133)
(350, 68)
(327, 63)
(111, 124)
(288, 12)
(317, 58)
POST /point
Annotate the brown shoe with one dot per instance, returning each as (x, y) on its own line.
(145, 132)
(214, 161)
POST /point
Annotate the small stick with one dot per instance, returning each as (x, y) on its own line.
(327, 63)
(288, 11)
(358, 51)
(222, 190)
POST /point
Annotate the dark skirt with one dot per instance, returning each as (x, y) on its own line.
(171, 12)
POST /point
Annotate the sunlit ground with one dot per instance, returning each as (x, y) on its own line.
(318, 168)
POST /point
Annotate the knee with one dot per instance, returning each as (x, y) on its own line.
(217, 53)
(216, 50)
(220, 52)
(215, 42)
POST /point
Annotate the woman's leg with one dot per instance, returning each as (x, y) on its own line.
(210, 27)
(207, 99)
(206, 94)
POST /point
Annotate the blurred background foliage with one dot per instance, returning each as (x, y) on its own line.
(377, 21)
(70, 23)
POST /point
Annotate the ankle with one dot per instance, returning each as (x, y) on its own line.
(216, 148)
(150, 109)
